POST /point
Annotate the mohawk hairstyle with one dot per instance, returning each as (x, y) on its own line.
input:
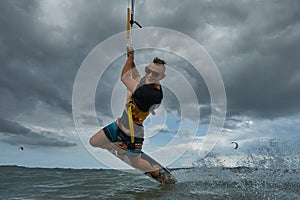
(159, 61)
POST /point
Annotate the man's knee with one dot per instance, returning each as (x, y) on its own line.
(100, 140)
(93, 141)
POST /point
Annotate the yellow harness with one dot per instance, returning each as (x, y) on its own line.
(135, 115)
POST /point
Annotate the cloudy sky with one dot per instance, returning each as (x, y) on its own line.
(254, 44)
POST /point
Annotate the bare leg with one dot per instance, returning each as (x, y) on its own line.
(144, 165)
(100, 140)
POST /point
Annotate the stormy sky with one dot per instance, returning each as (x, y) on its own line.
(254, 44)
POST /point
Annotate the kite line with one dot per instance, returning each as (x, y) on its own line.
(130, 22)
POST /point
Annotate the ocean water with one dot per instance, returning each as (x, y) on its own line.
(193, 183)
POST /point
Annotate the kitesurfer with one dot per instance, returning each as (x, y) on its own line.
(236, 145)
(145, 96)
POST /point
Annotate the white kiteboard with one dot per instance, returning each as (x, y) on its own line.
(164, 177)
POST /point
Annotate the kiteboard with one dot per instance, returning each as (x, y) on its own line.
(164, 177)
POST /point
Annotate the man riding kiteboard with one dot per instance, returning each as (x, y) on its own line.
(126, 134)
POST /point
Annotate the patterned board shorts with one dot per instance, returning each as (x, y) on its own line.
(112, 132)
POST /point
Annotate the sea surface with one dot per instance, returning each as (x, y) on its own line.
(193, 183)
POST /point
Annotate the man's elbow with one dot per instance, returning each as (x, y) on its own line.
(123, 79)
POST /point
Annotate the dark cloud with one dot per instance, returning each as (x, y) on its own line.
(28, 75)
(40, 54)
(191, 16)
(26, 86)
(255, 48)
(16, 134)
(264, 62)
(254, 44)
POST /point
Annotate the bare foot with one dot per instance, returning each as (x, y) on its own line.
(155, 173)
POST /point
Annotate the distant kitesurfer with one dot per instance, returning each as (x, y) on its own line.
(145, 95)
(236, 145)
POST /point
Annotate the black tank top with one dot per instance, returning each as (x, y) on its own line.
(147, 96)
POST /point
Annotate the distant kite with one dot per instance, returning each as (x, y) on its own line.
(236, 145)
(21, 148)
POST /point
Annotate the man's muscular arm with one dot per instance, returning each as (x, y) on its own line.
(130, 76)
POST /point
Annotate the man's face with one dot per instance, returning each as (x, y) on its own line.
(154, 73)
